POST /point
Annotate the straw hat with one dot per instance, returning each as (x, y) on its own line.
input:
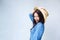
(44, 12)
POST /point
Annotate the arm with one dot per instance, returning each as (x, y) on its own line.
(31, 16)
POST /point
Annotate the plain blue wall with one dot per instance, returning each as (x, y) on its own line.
(15, 23)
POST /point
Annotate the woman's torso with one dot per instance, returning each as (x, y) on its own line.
(37, 32)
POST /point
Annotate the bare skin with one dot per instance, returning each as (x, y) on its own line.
(36, 17)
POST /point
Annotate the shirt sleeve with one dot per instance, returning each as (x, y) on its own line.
(31, 16)
(39, 32)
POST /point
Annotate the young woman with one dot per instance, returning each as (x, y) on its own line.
(38, 18)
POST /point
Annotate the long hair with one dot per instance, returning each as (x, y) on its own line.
(40, 15)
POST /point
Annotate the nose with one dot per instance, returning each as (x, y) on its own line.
(35, 18)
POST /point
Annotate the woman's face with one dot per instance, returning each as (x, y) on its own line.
(36, 17)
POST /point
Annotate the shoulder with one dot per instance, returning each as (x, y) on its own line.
(39, 25)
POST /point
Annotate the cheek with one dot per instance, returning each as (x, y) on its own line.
(36, 18)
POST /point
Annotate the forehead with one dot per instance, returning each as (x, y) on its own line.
(35, 14)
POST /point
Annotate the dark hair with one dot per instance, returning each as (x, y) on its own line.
(41, 17)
